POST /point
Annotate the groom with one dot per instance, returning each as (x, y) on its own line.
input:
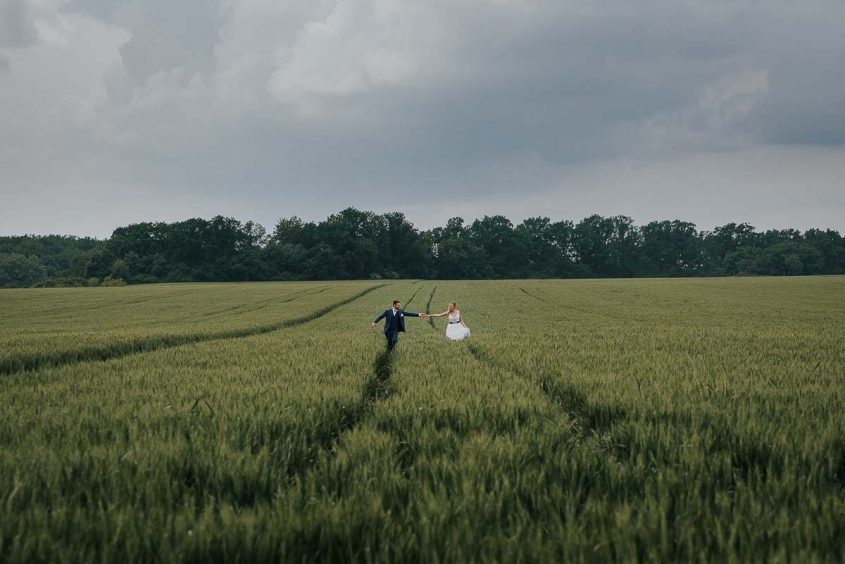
(394, 322)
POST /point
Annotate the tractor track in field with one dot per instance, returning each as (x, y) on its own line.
(590, 418)
(428, 305)
(414, 295)
(748, 458)
(241, 309)
(376, 388)
(18, 365)
(57, 312)
(529, 294)
(589, 312)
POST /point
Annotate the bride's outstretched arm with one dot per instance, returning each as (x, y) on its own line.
(438, 314)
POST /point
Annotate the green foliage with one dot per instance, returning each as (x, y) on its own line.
(604, 420)
(355, 244)
(672, 247)
(108, 281)
(18, 270)
(56, 252)
(119, 269)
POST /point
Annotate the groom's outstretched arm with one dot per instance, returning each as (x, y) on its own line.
(412, 314)
(380, 317)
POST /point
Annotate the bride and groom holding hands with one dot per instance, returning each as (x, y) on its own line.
(394, 322)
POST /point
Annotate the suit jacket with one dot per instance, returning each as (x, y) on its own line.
(394, 322)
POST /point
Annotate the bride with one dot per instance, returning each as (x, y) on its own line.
(456, 329)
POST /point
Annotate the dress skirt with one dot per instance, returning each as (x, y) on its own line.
(456, 331)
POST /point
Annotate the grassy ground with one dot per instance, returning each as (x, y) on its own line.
(583, 420)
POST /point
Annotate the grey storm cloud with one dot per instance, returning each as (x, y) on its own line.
(134, 110)
(16, 28)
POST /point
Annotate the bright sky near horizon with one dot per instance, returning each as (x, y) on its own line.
(118, 111)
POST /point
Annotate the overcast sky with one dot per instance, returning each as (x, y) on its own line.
(118, 111)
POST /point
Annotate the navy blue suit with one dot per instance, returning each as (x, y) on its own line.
(394, 323)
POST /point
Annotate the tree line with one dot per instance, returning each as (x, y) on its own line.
(355, 244)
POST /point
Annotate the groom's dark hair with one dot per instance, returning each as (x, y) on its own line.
(395, 302)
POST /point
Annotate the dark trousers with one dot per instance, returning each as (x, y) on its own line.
(392, 338)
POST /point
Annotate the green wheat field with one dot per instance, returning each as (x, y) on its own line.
(592, 420)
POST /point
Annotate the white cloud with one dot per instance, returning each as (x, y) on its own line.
(356, 47)
(732, 98)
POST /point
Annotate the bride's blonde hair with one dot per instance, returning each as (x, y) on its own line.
(454, 305)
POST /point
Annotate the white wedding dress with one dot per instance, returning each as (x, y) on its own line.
(454, 330)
